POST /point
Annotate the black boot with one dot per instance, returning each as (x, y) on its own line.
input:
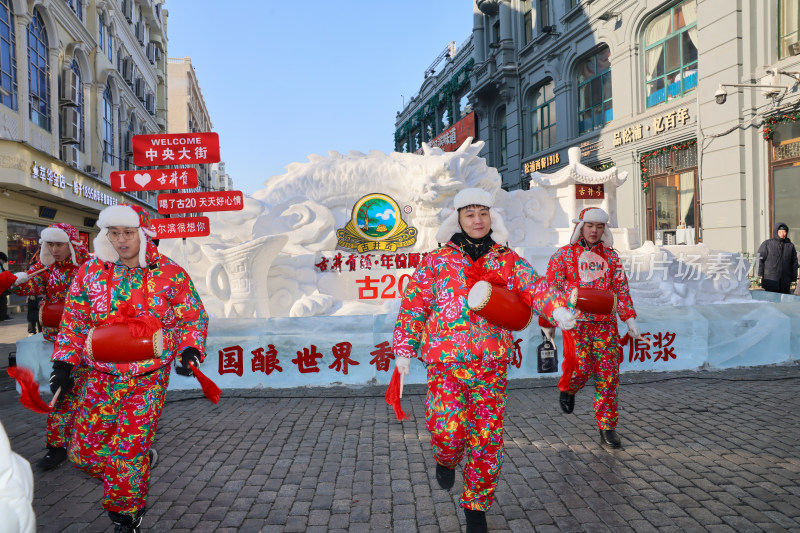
(476, 521)
(124, 523)
(53, 459)
(153, 454)
(610, 439)
(445, 476)
(566, 401)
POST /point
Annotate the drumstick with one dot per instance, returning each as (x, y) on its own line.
(37, 272)
(402, 380)
(55, 397)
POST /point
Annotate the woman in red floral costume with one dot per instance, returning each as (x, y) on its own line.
(466, 355)
(61, 254)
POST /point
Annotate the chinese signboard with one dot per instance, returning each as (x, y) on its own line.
(542, 163)
(661, 124)
(589, 192)
(193, 202)
(48, 175)
(173, 228)
(175, 149)
(454, 136)
(154, 180)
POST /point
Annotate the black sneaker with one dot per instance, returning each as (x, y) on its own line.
(153, 455)
(53, 459)
(445, 476)
(124, 523)
(476, 521)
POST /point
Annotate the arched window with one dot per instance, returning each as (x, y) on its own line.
(594, 91)
(39, 72)
(77, 7)
(79, 109)
(542, 113)
(502, 138)
(670, 42)
(108, 126)
(8, 57)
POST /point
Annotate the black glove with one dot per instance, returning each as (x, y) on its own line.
(60, 377)
(189, 355)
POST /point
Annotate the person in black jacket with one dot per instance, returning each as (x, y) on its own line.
(777, 261)
(3, 297)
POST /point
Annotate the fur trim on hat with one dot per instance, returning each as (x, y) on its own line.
(56, 233)
(122, 216)
(467, 197)
(596, 215)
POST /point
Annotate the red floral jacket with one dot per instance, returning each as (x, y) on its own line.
(434, 314)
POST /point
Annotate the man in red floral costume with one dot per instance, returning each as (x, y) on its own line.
(62, 252)
(128, 283)
(467, 356)
(590, 261)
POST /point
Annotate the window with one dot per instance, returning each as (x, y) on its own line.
(785, 182)
(38, 72)
(527, 18)
(101, 31)
(502, 138)
(428, 131)
(463, 107)
(572, 4)
(8, 57)
(594, 91)
(110, 47)
(416, 139)
(108, 126)
(543, 14)
(788, 26)
(77, 7)
(79, 109)
(671, 53)
(542, 106)
(673, 209)
(444, 117)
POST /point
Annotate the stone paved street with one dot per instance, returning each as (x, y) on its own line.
(703, 451)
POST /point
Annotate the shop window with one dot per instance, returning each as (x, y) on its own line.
(8, 56)
(502, 138)
(23, 243)
(594, 91)
(39, 72)
(785, 175)
(108, 126)
(788, 27)
(673, 208)
(542, 118)
(671, 53)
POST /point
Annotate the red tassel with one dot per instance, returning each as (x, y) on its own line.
(568, 366)
(7, 279)
(30, 397)
(393, 396)
(210, 388)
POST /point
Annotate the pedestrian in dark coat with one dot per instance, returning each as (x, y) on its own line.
(777, 261)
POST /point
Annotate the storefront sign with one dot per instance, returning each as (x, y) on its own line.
(376, 224)
(194, 202)
(175, 149)
(154, 180)
(454, 136)
(628, 135)
(172, 228)
(59, 181)
(542, 163)
(661, 124)
(589, 192)
(589, 147)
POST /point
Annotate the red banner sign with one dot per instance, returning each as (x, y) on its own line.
(589, 192)
(173, 228)
(153, 180)
(194, 202)
(454, 136)
(175, 149)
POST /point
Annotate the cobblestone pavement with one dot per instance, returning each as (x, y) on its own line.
(703, 451)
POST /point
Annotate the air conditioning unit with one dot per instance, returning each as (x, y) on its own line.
(128, 142)
(151, 52)
(158, 54)
(139, 88)
(70, 126)
(150, 104)
(90, 169)
(140, 32)
(794, 48)
(69, 155)
(69, 90)
(127, 70)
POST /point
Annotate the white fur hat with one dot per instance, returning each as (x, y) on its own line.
(467, 197)
(125, 216)
(596, 215)
(60, 232)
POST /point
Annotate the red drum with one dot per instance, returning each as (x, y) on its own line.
(595, 301)
(113, 343)
(499, 306)
(50, 314)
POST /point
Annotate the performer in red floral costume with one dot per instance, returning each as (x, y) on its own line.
(590, 261)
(62, 252)
(466, 355)
(129, 285)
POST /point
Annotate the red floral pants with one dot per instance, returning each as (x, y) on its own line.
(114, 429)
(62, 415)
(465, 407)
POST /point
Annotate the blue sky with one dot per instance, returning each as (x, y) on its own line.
(282, 80)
